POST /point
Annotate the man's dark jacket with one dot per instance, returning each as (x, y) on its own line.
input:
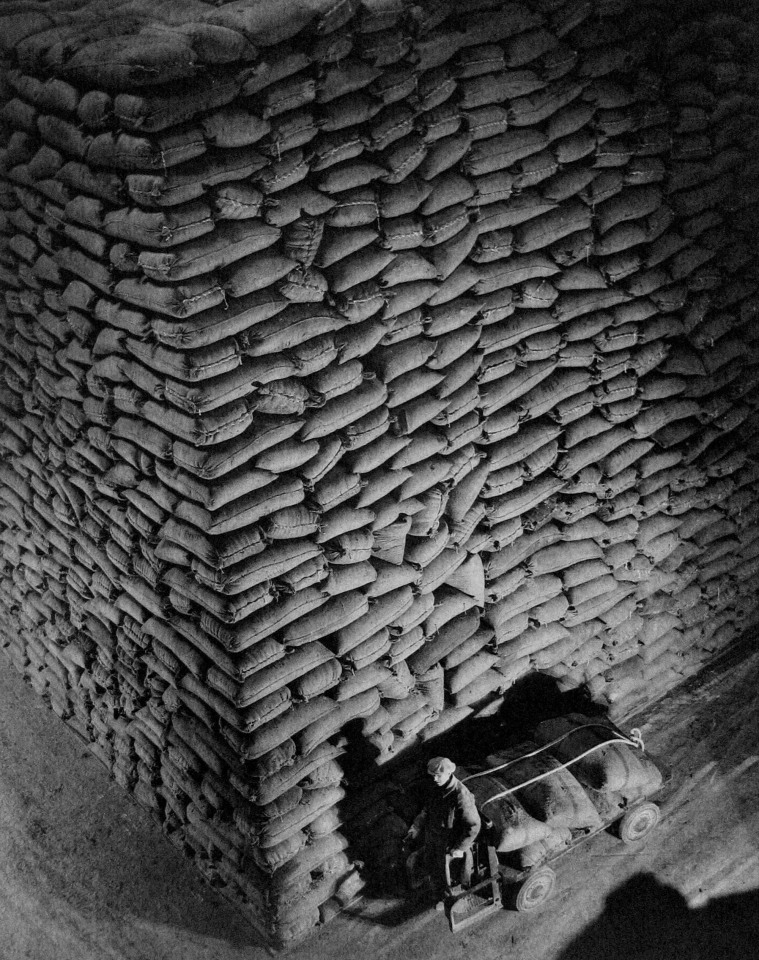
(451, 812)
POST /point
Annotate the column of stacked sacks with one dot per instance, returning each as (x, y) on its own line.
(358, 361)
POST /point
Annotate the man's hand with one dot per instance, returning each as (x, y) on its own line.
(412, 834)
(456, 854)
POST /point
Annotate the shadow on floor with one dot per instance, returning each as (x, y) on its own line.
(645, 919)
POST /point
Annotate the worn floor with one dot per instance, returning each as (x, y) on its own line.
(84, 874)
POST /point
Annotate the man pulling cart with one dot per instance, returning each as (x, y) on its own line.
(447, 828)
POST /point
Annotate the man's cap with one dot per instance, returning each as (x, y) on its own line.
(441, 765)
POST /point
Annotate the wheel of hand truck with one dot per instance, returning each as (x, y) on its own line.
(638, 822)
(535, 890)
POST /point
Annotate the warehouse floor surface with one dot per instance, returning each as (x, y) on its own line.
(85, 875)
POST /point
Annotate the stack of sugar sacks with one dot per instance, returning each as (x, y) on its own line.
(358, 360)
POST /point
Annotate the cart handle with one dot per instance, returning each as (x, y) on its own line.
(634, 740)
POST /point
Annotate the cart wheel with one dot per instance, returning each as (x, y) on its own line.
(535, 890)
(638, 823)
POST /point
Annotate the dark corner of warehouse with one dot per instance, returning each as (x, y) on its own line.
(379, 462)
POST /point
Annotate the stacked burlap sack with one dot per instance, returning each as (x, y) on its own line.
(359, 359)
(537, 821)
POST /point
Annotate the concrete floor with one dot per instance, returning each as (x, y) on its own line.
(85, 875)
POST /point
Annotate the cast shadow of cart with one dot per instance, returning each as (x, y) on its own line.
(645, 919)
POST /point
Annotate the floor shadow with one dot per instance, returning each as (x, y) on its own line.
(386, 911)
(645, 919)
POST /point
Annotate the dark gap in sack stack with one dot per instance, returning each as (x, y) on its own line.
(360, 359)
